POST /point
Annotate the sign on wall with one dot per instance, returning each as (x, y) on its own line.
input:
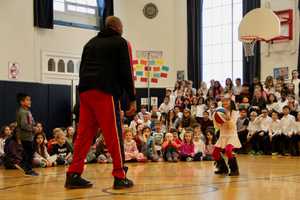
(13, 70)
(150, 66)
(154, 101)
(281, 72)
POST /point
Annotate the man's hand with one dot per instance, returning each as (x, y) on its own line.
(132, 109)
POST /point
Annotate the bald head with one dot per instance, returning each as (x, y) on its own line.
(114, 23)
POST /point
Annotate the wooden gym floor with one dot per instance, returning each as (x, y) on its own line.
(262, 177)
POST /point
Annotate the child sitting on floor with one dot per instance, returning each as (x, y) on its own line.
(209, 145)
(61, 149)
(170, 148)
(103, 156)
(187, 151)
(41, 157)
(199, 146)
(148, 147)
(130, 148)
(4, 134)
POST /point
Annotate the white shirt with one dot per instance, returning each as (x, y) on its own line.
(199, 146)
(165, 108)
(297, 127)
(198, 110)
(287, 124)
(296, 83)
(133, 124)
(252, 126)
(264, 123)
(2, 142)
(282, 104)
(274, 106)
(237, 90)
(275, 127)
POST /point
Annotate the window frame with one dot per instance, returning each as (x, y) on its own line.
(73, 15)
(208, 46)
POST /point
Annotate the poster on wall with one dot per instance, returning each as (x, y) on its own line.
(150, 66)
(281, 72)
(154, 101)
(13, 70)
(180, 75)
(144, 101)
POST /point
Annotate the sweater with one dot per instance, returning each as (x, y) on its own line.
(25, 123)
(187, 149)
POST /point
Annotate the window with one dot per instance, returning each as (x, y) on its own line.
(70, 66)
(222, 51)
(78, 13)
(61, 66)
(51, 65)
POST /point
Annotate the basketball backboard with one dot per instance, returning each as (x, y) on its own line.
(259, 24)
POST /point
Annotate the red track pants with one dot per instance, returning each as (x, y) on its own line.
(99, 110)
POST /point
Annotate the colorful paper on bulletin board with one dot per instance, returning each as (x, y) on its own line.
(165, 68)
(139, 73)
(164, 75)
(148, 74)
(139, 67)
(147, 68)
(154, 80)
(156, 75)
(143, 62)
(135, 78)
(152, 62)
(134, 62)
(156, 69)
(160, 62)
(143, 79)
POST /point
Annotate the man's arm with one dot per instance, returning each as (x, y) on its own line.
(126, 73)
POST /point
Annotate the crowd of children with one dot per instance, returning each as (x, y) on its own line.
(180, 129)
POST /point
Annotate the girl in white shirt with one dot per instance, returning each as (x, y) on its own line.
(228, 140)
(296, 82)
(272, 103)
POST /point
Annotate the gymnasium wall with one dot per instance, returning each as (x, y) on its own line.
(24, 44)
(285, 53)
(167, 32)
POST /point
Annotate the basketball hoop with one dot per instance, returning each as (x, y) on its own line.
(249, 48)
(249, 43)
(250, 32)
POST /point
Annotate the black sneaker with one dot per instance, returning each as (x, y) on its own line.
(31, 173)
(74, 181)
(26, 171)
(122, 183)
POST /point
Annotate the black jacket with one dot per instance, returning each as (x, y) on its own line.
(106, 65)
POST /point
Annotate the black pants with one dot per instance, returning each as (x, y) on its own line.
(28, 153)
(261, 142)
(294, 148)
(243, 139)
(280, 144)
(198, 156)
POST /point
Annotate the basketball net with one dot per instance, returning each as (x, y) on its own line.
(249, 46)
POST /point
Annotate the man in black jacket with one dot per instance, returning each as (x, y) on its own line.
(105, 73)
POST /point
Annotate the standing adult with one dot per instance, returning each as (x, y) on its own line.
(296, 82)
(105, 72)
